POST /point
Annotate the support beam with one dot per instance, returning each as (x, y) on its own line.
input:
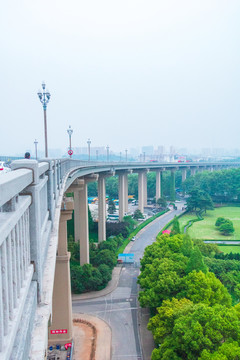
(193, 171)
(101, 208)
(62, 300)
(184, 174)
(172, 186)
(121, 195)
(158, 184)
(145, 189)
(84, 230)
(140, 191)
(126, 191)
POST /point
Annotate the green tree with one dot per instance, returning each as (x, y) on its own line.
(199, 200)
(175, 227)
(162, 202)
(185, 330)
(205, 288)
(187, 246)
(137, 214)
(196, 262)
(111, 206)
(220, 221)
(226, 228)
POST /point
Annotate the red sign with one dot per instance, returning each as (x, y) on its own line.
(59, 331)
(70, 152)
(68, 345)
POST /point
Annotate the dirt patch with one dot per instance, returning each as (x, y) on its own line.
(85, 337)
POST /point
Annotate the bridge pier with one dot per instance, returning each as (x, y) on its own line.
(184, 174)
(172, 186)
(126, 191)
(60, 331)
(144, 189)
(193, 171)
(101, 208)
(158, 184)
(121, 194)
(141, 191)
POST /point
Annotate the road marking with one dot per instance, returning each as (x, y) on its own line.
(112, 310)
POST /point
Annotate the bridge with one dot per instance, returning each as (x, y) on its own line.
(35, 301)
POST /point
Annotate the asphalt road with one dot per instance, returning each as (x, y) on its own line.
(120, 308)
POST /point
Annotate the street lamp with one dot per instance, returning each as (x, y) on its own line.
(107, 153)
(44, 97)
(36, 143)
(126, 154)
(89, 143)
(120, 156)
(144, 156)
(70, 131)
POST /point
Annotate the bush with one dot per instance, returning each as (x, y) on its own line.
(226, 228)
(110, 244)
(106, 273)
(107, 257)
(220, 221)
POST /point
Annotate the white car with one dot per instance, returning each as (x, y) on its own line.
(4, 168)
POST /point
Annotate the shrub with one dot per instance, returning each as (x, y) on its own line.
(220, 221)
(107, 257)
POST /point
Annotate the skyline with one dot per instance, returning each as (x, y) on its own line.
(122, 74)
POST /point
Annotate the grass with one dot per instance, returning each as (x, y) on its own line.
(206, 229)
(227, 249)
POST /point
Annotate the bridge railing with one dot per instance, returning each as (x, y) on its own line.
(28, 198)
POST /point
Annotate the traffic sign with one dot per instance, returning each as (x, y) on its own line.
(70, 152)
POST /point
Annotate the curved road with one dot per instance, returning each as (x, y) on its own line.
(119, 308)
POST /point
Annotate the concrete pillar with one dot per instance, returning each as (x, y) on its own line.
(84, 229)
(184, 174)
(60, 331)
(126, 192)
(140, 191)
(101, 208)
(193, 171)
(145, 189)
(158, 184)
(172, 185)
(161, 181)
(121, 195)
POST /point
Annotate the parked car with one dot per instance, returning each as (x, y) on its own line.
(133, 238)
(4, 168)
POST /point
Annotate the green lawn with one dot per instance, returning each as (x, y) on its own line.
(206, 229)
(228, 249)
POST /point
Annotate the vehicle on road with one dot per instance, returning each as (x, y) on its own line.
(133, 238)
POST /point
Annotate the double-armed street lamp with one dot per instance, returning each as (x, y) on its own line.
(107, 153)
(126, 154)
(36, 144)
(89, 143)
(70, 131)
(44, 98)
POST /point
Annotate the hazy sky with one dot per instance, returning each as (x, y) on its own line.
(125, 73)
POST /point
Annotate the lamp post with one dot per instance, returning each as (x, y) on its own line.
(36, 143)
(70, 131)
(126, 154)
(107, 153)
(144, 156)
(44, 98)
(120, 156)
(89, 143)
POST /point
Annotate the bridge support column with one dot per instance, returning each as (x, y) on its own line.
(141, 191)
(145, 189)
(126, 191)
(121, 195)
(172, 186)
(101, 208)
(62, 300)
(184, 174)
(193, 171)
(158, 184)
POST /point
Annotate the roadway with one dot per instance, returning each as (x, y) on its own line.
(120, 308)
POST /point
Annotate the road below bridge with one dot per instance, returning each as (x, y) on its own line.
(120, 308)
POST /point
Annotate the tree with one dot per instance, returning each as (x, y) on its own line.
(199, 200)
(196, 262)
(111, 206)
(205, 288)
(175, 227)
(220, 221)
(187, 246)
(226, 228)
(137, 214)
(185, 330)
(162, 202)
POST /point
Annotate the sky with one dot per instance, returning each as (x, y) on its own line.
(126, 73)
